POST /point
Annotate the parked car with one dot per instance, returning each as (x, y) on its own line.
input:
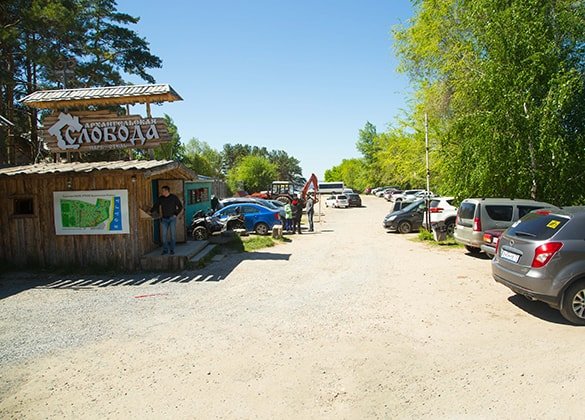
(255, 200)
(542, 257)
(257, 218)
(407, 219)
(387, 193)
(347, 191)
(381, 191)
(405, 195)
(424, 194)
(476, 215)
(490, 241)
(398, 205)
(337, 200)
(441, 209)
(354, 200)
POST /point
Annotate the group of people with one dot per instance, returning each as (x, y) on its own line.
(294, 211)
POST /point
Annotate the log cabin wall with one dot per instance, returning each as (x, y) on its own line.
(31, 239)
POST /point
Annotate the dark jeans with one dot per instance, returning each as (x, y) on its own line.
(297, 224)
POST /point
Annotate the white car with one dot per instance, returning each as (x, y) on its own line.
(406, 195)
(442, 210)
(338, 200)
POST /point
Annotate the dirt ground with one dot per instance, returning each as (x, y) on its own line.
(347, 322)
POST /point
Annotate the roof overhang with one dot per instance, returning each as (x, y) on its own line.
(111, 95)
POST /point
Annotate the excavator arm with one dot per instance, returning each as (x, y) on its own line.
(312, 180)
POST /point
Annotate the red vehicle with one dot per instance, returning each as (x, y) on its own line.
(284, 190)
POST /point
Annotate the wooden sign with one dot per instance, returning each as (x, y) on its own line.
(100, 130)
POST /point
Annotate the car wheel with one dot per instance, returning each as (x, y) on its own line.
(200, 233)
(573, 308)
(472, 249)
(404, 227)
(450, 227)
(261, 229)
(238, 224)
(283, 199)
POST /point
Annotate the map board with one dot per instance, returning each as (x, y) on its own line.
(103, 212)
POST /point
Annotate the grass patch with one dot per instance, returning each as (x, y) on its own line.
(427, 236)
(254, 242)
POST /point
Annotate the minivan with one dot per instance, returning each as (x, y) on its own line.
(476, 215)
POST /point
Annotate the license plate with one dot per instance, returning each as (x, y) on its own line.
(510, 256)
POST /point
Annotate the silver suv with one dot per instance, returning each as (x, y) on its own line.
(476, 215)
(542, 257)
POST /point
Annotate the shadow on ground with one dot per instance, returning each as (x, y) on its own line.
(16, 282)
(539, 310)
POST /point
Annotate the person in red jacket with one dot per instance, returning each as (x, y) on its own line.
(297, 212)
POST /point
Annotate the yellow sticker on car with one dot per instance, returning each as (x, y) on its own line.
(553, 224)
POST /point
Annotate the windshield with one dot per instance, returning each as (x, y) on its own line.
(412, 205)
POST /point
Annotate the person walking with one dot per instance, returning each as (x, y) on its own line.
(288, 217)
(310, 208)
(170, 207)
(297, 213)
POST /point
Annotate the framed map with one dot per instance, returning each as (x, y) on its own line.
(103, 212)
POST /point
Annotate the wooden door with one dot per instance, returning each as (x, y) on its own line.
(176, 186)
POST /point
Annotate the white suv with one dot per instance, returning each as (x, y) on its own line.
(338, 200)
(442, 210)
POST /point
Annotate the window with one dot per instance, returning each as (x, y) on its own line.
(500, 213)
(23, 207)
(249, 209)
(467, 211)
(523, 210)
(198, 195)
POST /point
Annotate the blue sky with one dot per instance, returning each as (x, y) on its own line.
(301, 76)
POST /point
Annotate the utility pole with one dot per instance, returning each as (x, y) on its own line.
(427, 201)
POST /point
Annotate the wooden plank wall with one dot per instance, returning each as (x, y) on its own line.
(31, 240)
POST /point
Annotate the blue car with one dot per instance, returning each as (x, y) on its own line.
(257, 218)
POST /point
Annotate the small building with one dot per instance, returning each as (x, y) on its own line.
(88, 214)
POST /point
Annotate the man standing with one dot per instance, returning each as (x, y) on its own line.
(170, 206)
(310, 207)
(297, 213)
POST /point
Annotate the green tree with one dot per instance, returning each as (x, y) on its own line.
(36, 35)
(288, 168)
(505, 81)
(252, 174)
(202, 158)
(366, 143)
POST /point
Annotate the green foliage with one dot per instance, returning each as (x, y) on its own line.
(36, 36)
(504, 83)
(252, 174)
(366, 142)
(201, 158)
(253, 243)
(174, 149)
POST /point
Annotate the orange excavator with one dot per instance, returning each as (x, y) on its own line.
(284, 190)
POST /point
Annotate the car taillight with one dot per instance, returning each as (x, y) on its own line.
(544, 253)
(477, 224)
(436, 210)
(543, 212)
(487, 237)
(497, 245)
(277, 216)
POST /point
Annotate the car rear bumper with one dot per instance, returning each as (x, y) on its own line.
(513, 282)
(488, 249)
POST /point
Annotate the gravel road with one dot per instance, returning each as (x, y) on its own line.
(347, 322)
